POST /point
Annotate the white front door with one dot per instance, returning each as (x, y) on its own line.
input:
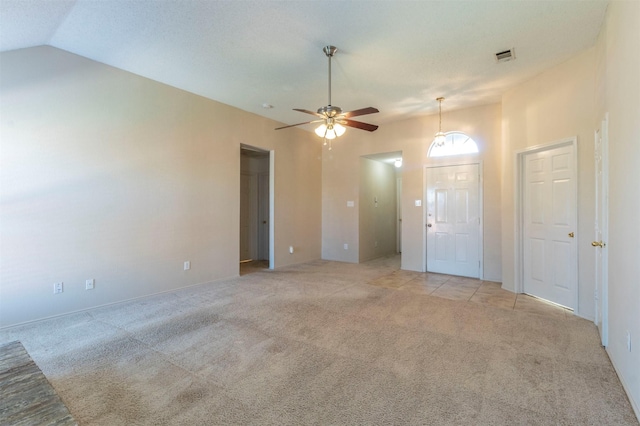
(549, 217)
(601, 231)
(453, 220)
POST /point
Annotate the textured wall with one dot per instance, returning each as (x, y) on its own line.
(110, 176)
(619, 96)
(555, 105)
(340, 175)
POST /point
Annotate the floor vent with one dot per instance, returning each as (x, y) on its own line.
(507, 55)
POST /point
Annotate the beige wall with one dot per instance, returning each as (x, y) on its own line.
(377, 220)
(340, 175)
(111, 176)
(571, 100)
(555, 105)
(618, 82)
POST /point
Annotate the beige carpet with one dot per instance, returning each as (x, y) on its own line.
(316, 344)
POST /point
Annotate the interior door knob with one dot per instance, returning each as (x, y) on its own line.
(598, 244)
(428, 225)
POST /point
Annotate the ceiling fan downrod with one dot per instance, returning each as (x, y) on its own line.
(329, 51)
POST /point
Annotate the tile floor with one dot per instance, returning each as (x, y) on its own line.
(470, 290)
(449, 287)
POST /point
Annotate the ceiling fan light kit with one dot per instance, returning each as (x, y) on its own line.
(330, 130)
(331, 118)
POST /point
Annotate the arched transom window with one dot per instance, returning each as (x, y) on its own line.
(455, 143)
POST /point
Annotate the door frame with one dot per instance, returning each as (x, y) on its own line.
(450, 163)
(272, 203)
(272, 198)
(602, 292)
(518, 259)
(399, 215)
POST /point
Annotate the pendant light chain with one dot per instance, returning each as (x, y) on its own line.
(440, 138)
(440, 115)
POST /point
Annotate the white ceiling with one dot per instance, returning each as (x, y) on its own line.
(397, 56)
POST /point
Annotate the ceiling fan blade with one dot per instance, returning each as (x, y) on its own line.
(358, 125)
(306, 111)
(357, 112)
(299, 124)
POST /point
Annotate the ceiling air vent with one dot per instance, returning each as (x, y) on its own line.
(507, 55)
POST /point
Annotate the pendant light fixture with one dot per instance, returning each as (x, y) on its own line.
(440, 137)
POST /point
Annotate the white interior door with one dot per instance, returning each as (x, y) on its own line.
(601, 231)
(549, 217)
(453, 220)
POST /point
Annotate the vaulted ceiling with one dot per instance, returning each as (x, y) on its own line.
(397, 56)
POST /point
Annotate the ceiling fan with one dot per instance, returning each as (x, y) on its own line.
(332, 118)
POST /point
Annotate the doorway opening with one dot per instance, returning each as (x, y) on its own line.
(256, 209)
(380, 212)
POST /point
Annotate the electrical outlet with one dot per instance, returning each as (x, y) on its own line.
(89, 284)
(57, 288)
(187, 265)
(346, 246)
